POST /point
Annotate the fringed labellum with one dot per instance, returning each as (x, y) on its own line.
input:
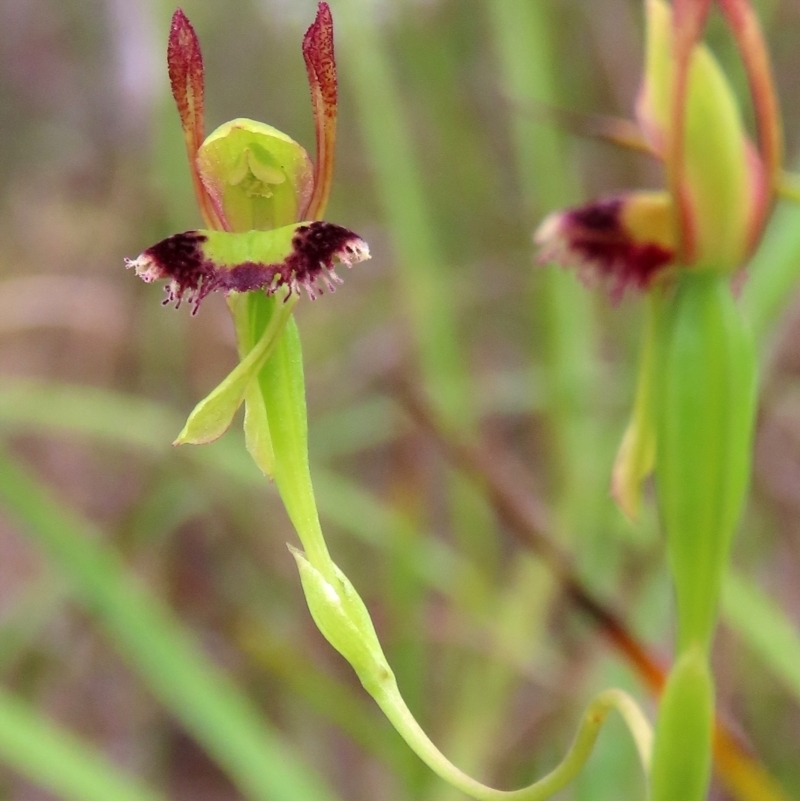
(197, 263)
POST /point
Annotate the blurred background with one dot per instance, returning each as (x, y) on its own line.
(115, 547)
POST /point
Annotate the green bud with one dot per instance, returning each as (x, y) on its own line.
(682, 752)
(344, 621)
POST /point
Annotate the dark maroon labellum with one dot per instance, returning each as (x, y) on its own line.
(182, 261)
(594, 239)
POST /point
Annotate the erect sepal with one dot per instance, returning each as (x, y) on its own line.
(185, 64)
(260, 177)
(197, 263)
(344, 621)
(624, 241)
(754, 54)
(688, 20)
(321, 67)
(653, 105)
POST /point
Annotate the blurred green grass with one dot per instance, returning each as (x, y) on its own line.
(443, 168)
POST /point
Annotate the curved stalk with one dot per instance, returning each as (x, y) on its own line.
(391, 702)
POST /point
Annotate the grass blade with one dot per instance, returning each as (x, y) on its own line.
(59, 761)
(208, 704)
(764, 628)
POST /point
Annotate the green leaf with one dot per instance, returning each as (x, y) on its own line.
(54, 758)
(706, 402)
(637, 453)
(212, 417)
(257, 438)
(283, 389)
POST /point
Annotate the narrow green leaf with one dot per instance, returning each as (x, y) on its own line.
(208, 704)
(258, 440)
(682, 752)
(773, 272)
(283, 389)
(212, 417)
(56, 759)
(704, 427)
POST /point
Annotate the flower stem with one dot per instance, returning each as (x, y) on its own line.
(388, 697)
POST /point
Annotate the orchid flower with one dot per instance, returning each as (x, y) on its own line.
(719, 184)
(720, 187)
(248, 176)
(261, 200)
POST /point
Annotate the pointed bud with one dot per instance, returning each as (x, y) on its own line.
(622, 242)
(344, 621)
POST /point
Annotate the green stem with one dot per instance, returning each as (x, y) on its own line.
(391, 702)
(283, 389)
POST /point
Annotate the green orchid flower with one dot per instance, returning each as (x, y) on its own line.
(248, 176)
(261, 200)
(720, 190)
